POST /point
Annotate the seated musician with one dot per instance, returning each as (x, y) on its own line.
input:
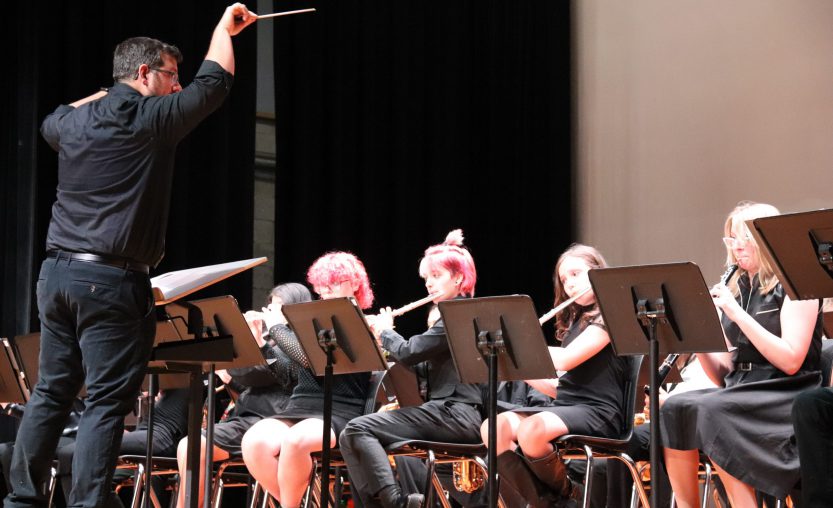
(452, 410)
(745, 428)
(261, 390)
(587, 399)
(277, 449)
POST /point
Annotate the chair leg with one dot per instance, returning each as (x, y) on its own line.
(429, 483)
(53, 483)
(588, 477)
(138, 486)
(707, 484)
(217, 495)
(637, 481)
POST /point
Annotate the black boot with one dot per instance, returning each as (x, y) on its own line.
(392, 497)
(519, 486)
(552, 471)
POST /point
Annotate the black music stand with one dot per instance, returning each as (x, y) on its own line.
(496, 338)
(12, 386)
(199, 337)
(657, 309)
(800, 248)
(335, 337)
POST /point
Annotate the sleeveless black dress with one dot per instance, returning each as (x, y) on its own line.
(745, 428)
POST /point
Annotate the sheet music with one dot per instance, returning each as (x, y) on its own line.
(174, 285)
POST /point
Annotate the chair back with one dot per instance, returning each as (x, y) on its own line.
(372, 403)
(631, 393)
(826, 363)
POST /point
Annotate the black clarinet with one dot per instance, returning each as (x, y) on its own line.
(665, 368)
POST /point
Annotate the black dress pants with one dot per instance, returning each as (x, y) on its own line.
(812, 415)
(97, 327)
(364, 439)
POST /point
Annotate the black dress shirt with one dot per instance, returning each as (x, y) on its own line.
(115, 166)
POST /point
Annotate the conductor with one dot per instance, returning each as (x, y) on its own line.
(116, 156)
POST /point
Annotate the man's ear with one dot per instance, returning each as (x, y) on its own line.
(142, 73)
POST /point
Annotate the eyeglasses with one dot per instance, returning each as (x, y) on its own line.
(171, 74)
(330, 288)
(732, 242)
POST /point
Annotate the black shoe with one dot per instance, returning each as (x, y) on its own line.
(413, 501)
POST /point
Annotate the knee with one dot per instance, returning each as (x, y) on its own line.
(532, 432)
(354, 430)
(256, 443)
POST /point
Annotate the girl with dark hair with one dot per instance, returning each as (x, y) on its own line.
(261, 391)
(588, 396)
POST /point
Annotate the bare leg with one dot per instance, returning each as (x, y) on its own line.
(507, 431)
(741, 495)
(293, 476)
(682, 466)
(181, 457)
(536, 432)
(261, 452)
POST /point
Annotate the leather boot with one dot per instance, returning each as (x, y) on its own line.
(519, 487)
(552, 471)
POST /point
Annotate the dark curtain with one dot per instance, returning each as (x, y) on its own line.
(61, 51)
(399, 121)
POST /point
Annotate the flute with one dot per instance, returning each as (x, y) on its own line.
(563, 305)
(413, 305)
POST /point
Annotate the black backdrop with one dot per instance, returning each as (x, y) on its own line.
(396, 122)
(399, 121)
(61, 51)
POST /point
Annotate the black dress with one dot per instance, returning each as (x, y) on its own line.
(590, 398)
(350, 391)
(746, 428)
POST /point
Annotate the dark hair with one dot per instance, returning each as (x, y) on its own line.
(290, 293)
(594, 259)
(133, 52)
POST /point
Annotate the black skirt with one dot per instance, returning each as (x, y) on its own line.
(746, 429)
(302, 409)
(581, 419)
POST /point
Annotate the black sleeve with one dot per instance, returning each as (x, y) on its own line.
(418, 348)
(288, 344)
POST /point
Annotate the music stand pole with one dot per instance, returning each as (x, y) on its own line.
(649, 321)
(503, 331)
(336, 340)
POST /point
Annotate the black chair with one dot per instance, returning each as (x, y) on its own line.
(588, 448)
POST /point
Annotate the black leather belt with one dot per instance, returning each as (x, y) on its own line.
(101, 260)
(747, 366)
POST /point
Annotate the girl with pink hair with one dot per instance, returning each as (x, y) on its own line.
(451, 412)
(277, 450)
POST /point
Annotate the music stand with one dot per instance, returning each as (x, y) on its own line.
(497, 337)
(198, 337)
(657, 308)
(12, 387)
(335, 337)
(800, 249)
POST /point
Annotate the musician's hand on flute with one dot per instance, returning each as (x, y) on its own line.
(725, 301)
(383, 321)
(272, 315)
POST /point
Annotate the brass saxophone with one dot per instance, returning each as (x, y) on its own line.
(467, 477)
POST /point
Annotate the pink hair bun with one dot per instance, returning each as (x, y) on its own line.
(454, 238)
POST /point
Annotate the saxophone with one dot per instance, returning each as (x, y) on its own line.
(467, 477)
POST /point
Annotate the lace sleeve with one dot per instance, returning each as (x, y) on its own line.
(286, 340)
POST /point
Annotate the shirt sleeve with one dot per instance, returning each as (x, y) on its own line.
(418, 348)
(174, 116)
(50, 128)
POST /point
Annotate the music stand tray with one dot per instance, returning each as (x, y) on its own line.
(496, 338)
(657, 308)
(800, 249)
(336, 339)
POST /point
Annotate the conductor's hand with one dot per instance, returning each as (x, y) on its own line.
(236, 18)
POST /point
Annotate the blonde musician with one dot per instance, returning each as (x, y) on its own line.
(745, 427)
(588, 398)
(452, 410)
(277, 450)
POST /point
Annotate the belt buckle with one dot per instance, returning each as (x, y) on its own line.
(745, 366)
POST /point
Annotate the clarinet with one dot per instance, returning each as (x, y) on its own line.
(665, 368)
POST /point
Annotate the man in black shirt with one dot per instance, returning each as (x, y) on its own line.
(116, 154)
